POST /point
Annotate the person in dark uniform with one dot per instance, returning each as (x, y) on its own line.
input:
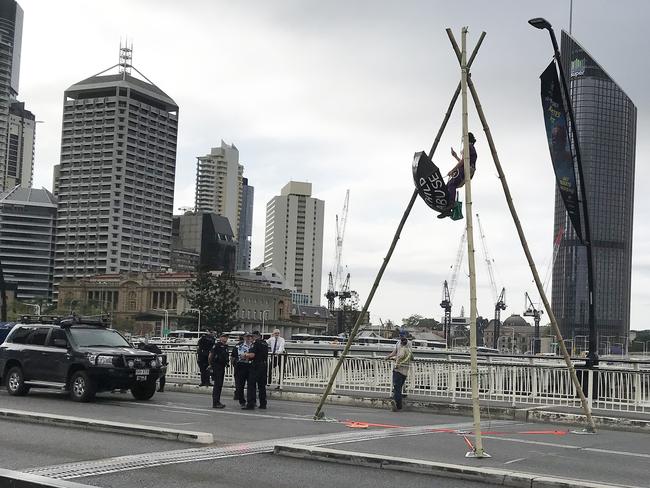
(218, 360)
(241, 366)
(203, 348)
(146, 346)
(258, 355)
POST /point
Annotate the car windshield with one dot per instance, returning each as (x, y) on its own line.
(98, 338)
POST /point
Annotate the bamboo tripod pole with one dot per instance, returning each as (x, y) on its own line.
(524, 244)
(476, 409)
(355, 329)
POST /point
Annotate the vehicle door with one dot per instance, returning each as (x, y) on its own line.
(56, 356)
(34, 366)
(13, 347)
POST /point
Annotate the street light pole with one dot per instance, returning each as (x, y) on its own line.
(592, 356)
(166, 322)
(264, 312)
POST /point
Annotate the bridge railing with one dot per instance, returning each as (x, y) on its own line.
(515, 383)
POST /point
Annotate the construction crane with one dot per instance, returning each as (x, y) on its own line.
(449, 290)
(331, 293)
(336, 276)
(344, 293)
(340, 234)
(531, 311)
(499, 298)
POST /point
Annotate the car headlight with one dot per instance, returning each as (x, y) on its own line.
(104, 361)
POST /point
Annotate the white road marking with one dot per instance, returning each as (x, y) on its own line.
(569, 446)
(514, 460)
(171, 423)
(224, 412)
(185, 413)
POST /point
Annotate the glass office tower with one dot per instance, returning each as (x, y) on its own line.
(606, 123)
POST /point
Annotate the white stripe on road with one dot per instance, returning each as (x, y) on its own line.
(225, 412)
(185, 413)
(569, 446)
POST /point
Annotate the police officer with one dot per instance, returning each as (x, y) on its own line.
(218, 360)
(258, 355)
(203, 348)
(147, 346)
(241, 366)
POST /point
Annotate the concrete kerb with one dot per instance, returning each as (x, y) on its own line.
(492, 476)
(16, 479)
(108, 426)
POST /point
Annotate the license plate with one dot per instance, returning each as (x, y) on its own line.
(141, 378)
(141, 372)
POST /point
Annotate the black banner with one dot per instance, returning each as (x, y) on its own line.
(557, 132)
(429, 183)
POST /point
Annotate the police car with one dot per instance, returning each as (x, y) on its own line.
(79, 355)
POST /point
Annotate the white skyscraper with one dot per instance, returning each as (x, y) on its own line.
(294, 238)
(115, 184)
(219, 183)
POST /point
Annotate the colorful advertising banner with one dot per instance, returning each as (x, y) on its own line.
(557, 132)
(429, 183)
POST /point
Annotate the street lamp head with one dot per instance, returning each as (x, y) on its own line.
(540, 23)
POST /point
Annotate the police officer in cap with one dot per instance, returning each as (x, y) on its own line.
(258, 354)
(203, 348)
(218, 360)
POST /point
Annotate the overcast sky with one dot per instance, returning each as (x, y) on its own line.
(341, 94)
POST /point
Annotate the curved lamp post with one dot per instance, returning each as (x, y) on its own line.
(543, 24)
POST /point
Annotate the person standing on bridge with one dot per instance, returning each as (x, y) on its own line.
(276, 346)
(218, 360)
(259, 357)
(203, 348)
(241, 366)
(400, 372)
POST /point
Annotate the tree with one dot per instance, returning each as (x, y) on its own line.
(217, 297)
(412, 321)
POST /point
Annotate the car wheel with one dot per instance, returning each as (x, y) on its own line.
(82, 388)
(144, 390)
(16, 382)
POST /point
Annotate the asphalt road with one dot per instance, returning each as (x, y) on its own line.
(612, 457)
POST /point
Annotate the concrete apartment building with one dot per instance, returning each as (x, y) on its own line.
(27, 220)
(219, 183)
(115, 183)
(294, 238)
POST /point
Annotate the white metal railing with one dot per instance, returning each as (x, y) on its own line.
(517, 383)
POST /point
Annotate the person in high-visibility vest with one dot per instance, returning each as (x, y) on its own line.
(400, 372)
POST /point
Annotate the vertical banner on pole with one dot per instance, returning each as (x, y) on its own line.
(559, 144)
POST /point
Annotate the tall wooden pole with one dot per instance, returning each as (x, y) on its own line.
(591, 427)
(478, 441)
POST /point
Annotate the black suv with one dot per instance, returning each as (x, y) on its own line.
(80, 355)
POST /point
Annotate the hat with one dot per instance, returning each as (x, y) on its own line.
(256, 333)
(250, 334)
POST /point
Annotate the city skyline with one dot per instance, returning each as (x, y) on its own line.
(362, 134)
